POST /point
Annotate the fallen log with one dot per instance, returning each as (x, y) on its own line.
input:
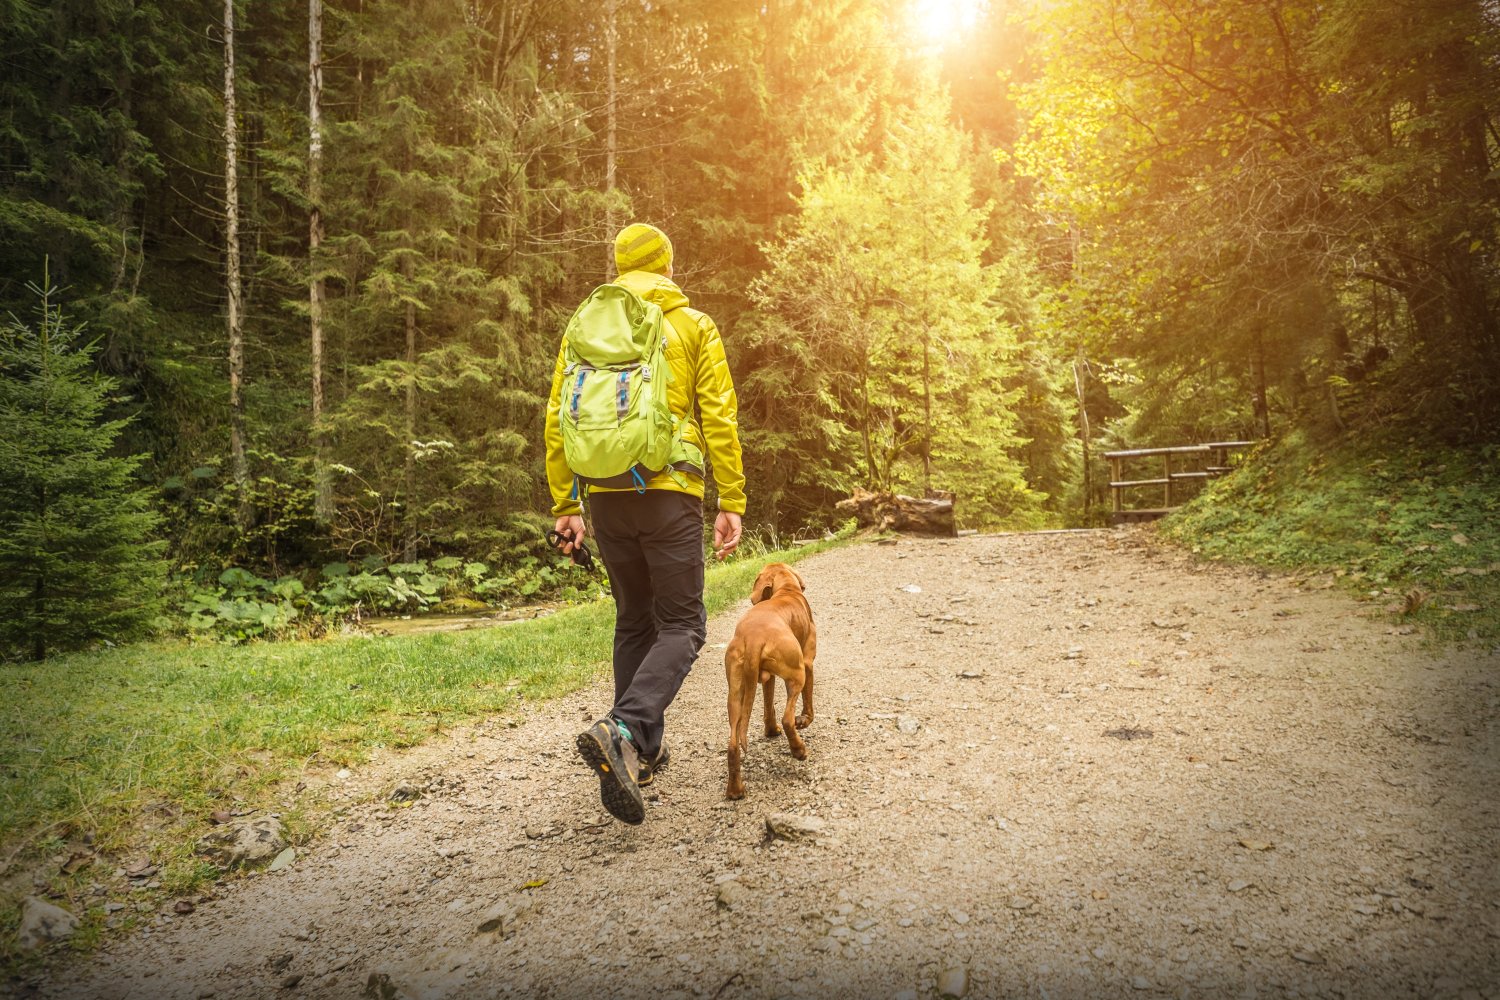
(897, 512)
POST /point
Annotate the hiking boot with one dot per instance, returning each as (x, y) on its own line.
(606, 747)
(650, 767)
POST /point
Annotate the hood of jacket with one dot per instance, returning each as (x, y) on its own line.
(653, 287)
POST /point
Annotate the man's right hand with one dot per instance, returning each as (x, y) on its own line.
(571, 527)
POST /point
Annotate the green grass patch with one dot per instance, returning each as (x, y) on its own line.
(131, 749)
(1401, 521)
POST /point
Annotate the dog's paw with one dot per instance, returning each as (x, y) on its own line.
(772, 732)
(734, 792)
(803, 721)
(799, 752)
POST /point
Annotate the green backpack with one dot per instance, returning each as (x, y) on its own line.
(617, 427)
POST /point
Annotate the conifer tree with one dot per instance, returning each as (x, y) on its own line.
(76, 559)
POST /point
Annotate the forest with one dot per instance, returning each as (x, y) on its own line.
(282, 283)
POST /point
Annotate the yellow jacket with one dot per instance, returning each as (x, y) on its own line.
(700, 375)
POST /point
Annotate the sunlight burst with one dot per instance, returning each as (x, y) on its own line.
(942, 23)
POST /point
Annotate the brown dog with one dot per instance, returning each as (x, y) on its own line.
(776, 638)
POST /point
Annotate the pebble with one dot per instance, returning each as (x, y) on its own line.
(908, 723)
(732, 895)
(1140, 983)
(953, 982)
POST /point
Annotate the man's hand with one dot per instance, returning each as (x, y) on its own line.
(726, 533)
(571, 527)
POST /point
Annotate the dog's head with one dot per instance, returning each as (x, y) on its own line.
(774, 577)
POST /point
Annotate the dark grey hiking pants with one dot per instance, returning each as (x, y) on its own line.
(652, 544)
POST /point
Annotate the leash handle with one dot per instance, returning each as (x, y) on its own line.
(580, 555)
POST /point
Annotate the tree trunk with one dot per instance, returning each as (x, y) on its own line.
(234, 320)
(1262, 398)
(611, 222)
(323, 484)
(897, 512)
(409, 476)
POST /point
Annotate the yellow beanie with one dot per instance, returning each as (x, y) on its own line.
(640, 247)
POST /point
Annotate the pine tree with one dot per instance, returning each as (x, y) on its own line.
(76, 559)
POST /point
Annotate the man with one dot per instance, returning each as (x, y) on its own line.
(652, 539)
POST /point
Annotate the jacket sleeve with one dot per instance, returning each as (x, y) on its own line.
(559, 476)
(719, 409)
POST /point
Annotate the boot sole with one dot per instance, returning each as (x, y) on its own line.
(615, 786)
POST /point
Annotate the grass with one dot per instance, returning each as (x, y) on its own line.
(130, 749)
(1398, 520)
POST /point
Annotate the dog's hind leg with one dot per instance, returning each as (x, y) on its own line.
(805, 719)
(809, 653)
(794, 686)
(769, 688)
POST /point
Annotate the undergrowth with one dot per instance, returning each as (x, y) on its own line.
(121, 754)
(1399, 520)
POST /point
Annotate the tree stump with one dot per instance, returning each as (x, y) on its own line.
(897, 512)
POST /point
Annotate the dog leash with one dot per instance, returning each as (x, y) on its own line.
(580, 555)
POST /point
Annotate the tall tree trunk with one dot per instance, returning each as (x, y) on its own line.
(611, 221)
(409, 473)
(323, 497)
(1262, 397)
(926, 411)
(234, 320)
(1085, 435)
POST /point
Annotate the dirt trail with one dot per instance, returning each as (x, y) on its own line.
(1312, 814)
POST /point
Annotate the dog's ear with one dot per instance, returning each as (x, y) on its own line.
(765, 593)
(800, 584)
(759, 591)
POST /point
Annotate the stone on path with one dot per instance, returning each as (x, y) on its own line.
(908, 723)
(789, 826)
(505, 916)
(245, 843)
(43, 923)
(732, 895)
(953, 982)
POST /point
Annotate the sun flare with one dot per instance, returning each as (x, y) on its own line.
(943, 23)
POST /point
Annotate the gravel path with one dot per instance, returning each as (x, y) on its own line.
(1048, 765)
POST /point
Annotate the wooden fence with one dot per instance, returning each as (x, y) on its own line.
(1182, 464)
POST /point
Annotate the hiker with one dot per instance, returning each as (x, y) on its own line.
(647, 519)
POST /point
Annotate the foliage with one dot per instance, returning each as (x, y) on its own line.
(76, 562)
(1402, 520)
(882, 309)
(1255, 201)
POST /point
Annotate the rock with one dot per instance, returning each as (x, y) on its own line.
(908, 724)
(404, 791)
(970, 675)
(290, 982)
(789, 826)
(1140, 983)
(953, 982)
(732, 895)
(1238, 884)
(380, 987)
(505, 916)
(1019, 903)
(42, 923)
(245, 843)
(282, 860)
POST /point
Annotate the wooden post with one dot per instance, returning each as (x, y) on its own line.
(1166, 458)
(1115, 477)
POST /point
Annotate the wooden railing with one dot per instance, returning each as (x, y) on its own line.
(1207, 461)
